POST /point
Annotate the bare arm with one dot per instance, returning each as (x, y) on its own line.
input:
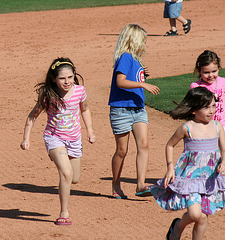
(86, 115)
(174, 140)
(25, 145)
(221, 167)
(122, 82)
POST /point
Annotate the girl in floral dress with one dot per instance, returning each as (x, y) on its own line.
(197, 182)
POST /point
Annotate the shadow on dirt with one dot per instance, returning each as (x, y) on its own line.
(22, 215)
(24, 187)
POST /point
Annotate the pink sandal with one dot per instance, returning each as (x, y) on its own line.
(65, 221)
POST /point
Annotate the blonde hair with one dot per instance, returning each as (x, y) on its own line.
(131, 40)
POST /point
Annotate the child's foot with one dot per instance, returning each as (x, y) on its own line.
(119, 195)
(171, 232)
(144, 192)
(63, 221)
(171, 33)
(187, 26)
(117, 192)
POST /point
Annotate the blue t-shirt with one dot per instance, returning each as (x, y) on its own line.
(121, 97)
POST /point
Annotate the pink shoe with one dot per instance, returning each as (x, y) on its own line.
(65, 221)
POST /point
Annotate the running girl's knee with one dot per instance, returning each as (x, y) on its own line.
(67, 176)
(196, 215)
(203, 219)
(75, 179)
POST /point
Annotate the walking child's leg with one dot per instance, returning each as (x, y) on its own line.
(182, 20)
(186, 24)
(118, 159)
(62, 162)
(76, 165)
(173, 24)
(194, 214)
(200, 227)
(140, 131)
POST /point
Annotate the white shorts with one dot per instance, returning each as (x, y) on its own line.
(74, 148)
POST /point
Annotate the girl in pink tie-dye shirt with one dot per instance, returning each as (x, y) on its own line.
(63, 99)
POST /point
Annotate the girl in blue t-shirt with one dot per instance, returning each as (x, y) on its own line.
(127, 108)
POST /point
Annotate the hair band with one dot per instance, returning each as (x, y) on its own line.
(58, 63)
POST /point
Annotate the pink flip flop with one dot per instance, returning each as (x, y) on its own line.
(65, 221)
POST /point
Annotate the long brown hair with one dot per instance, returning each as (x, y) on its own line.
(194, 100)
(47, 90)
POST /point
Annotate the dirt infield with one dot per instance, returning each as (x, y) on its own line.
(28, 186)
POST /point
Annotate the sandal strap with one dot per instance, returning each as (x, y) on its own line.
(171, 33)
(187, 26)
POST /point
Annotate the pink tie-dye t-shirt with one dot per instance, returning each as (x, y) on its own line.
(217, 88)
(65, 123)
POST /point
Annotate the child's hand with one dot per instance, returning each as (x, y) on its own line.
(170, 174)
(221, 169)
(151, 88)
(92, 138)
(25, 145)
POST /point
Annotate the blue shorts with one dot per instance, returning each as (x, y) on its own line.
(122, 118)
(74, 149)
(172, 9)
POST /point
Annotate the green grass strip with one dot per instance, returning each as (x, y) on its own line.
(7, 6)
(171, 89)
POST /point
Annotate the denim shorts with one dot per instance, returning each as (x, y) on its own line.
(172, 9)
(122, 118)
(74, 148)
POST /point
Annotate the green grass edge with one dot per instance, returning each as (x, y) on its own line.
(9, 6)
(172, 89)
